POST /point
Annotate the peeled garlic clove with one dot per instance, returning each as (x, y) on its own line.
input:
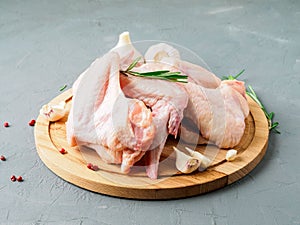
(185, 163)
(205, 162)
(53, 112)
(231, 155)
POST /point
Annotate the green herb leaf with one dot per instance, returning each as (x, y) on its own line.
(170, 76)
(167, 74)
(154, 73)
(239, 74)
(63, 87)
(271, 115)
(230, 77)
(133, 64)
(160, 74)
(277, 131)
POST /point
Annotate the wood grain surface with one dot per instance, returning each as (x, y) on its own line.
(50, 137)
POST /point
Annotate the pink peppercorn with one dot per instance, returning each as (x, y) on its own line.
(13, 178)
(20, 179)
(31, 123)
(90, 166)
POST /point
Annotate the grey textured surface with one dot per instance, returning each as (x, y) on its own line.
(46, 44)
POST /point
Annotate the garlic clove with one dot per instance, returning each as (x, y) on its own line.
(53, 112)
(231, 155)
(186, 163)
(205, 161)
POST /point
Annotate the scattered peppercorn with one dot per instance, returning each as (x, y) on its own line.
(2, 158)
(63, 151)
(6, 124)
(90, 166)
(20, 179)
(95, 168)
(31, 123)
(13, 178)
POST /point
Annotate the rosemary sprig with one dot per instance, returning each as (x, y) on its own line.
(230, 77)
(159, 74)
(270, 116)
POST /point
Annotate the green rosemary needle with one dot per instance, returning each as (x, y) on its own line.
(63, 87)
(159, 74)
(230, 77)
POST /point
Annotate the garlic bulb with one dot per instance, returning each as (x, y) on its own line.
(205, 162)
(53, 112)
(185, 163)
(231, 155)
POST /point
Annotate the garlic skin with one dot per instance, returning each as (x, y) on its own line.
(53, 112)
(205, 162)
(186, 163)
(231, 155)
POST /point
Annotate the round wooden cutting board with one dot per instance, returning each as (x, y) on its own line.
(50, 137)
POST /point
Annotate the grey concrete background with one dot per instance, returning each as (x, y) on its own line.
(46, 44)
